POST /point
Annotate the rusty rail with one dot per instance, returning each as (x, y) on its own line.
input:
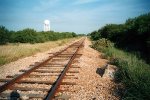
(54, 89)
(58, 82)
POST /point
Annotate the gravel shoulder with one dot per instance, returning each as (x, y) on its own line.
(91, 86)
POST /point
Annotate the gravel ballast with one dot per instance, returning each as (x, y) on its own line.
(90, 84)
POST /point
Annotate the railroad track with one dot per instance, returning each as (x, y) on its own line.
(43, 80)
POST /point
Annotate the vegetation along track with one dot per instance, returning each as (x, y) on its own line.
(42, 80)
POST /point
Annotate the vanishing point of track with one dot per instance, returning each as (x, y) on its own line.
(45, 78)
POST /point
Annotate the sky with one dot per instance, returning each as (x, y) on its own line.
(80, 16)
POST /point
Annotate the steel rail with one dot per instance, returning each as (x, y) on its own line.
(56, 85)
(25, 74)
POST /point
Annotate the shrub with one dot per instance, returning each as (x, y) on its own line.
(4, 35)
(25, 36)
(133, 72)
(95, 35)
(133, 35)
(31, 36)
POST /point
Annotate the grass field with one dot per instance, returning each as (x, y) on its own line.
(133, 72)
(12, 52)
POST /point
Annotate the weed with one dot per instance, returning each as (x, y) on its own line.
(2, 60)
(133, 72)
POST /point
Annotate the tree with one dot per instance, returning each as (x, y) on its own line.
(133, 35)
(95, 35)
(25, 36)
(4, 35)
(74, 34)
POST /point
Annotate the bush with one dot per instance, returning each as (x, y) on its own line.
(103, 42)
(4, 35)
(132, 36)
(31, 36)
(25, 36)
(95, 35)
(133, 72)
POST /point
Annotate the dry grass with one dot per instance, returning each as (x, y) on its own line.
(12, 52)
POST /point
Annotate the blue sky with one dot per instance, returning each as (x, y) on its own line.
(80, 16)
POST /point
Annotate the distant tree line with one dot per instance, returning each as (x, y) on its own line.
(133, 35)
(31, 36)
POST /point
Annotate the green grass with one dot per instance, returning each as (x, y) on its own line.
(12, 52)
(133, 72)
(2, 60)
